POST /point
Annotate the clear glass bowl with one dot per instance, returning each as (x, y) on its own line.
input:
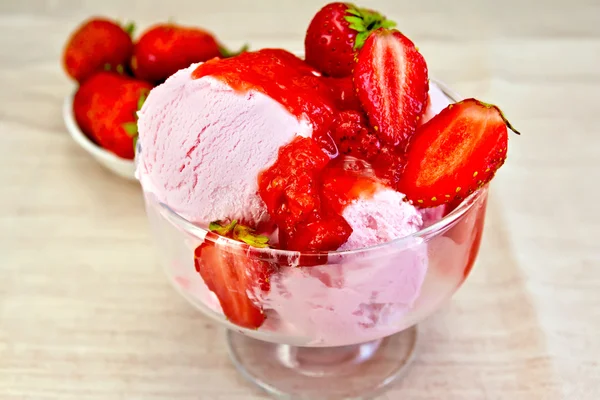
(341, 329)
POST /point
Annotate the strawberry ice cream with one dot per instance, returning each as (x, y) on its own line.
(317, 208)
(203, 145)
(207, 136)
(377, 219)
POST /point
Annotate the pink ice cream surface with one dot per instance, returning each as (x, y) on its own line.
(204, 144)
(202, 147)
(361, 298)
(379, 219)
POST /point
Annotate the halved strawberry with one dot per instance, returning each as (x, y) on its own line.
(98, 44)
(392, 85)
(455, 153)
(232, 273)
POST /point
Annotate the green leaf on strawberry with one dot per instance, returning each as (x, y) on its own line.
(248, 236)
(223, 230)
(129, 28)
(361, 38)
(142, 99)
(365, 21)
(130, 128)
(226, 53)
(239, 232)
(356, 23)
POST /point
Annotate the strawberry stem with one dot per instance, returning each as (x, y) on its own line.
(508, 124)
(142, 99)
(239, 232)
(130, 128)
(223, 230)
(226, 53)
(129, 28)
(247, 235)
(364, 22)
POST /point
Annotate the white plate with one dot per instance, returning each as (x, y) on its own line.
(119, 166)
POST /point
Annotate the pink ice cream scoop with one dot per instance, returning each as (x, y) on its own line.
(202, 146)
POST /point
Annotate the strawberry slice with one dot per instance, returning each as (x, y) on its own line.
(455, 153)
(232, 273)
(392, 85)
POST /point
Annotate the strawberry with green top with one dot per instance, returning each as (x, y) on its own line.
(166, 48)
(98, 44)
(455, 153)
(335, 35)
(105, 108)
(231, 272)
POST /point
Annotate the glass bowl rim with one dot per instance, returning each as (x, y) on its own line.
(418, 236)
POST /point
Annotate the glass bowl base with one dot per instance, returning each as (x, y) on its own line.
(333, 373)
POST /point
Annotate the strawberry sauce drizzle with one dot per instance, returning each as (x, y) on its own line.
(307, 188)
(285, 78)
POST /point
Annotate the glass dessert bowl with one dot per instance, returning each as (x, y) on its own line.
(339, 324)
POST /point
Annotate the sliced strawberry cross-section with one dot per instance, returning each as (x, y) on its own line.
(455, 153)
(232, 273)
(392, 85)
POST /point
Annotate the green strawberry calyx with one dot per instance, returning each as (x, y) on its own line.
(239, 232)
(119, 69)
(365, 21)
(221, 229)
(129, 27)
(226, 53)
(489, 105)
(508, 124)
(131, 128)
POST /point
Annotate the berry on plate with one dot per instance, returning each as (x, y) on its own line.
(105, 108)
(392, 84)
(336, 33)
(230, 271)
(97, 45)
(455, 153)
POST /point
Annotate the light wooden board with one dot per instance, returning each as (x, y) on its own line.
(85, 312)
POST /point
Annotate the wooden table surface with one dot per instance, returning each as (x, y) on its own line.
(86, 313)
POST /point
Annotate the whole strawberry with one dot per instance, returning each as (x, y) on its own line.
(105, 107)
(98, 44)
(85, 99)
(336, 33)
(166, 48)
